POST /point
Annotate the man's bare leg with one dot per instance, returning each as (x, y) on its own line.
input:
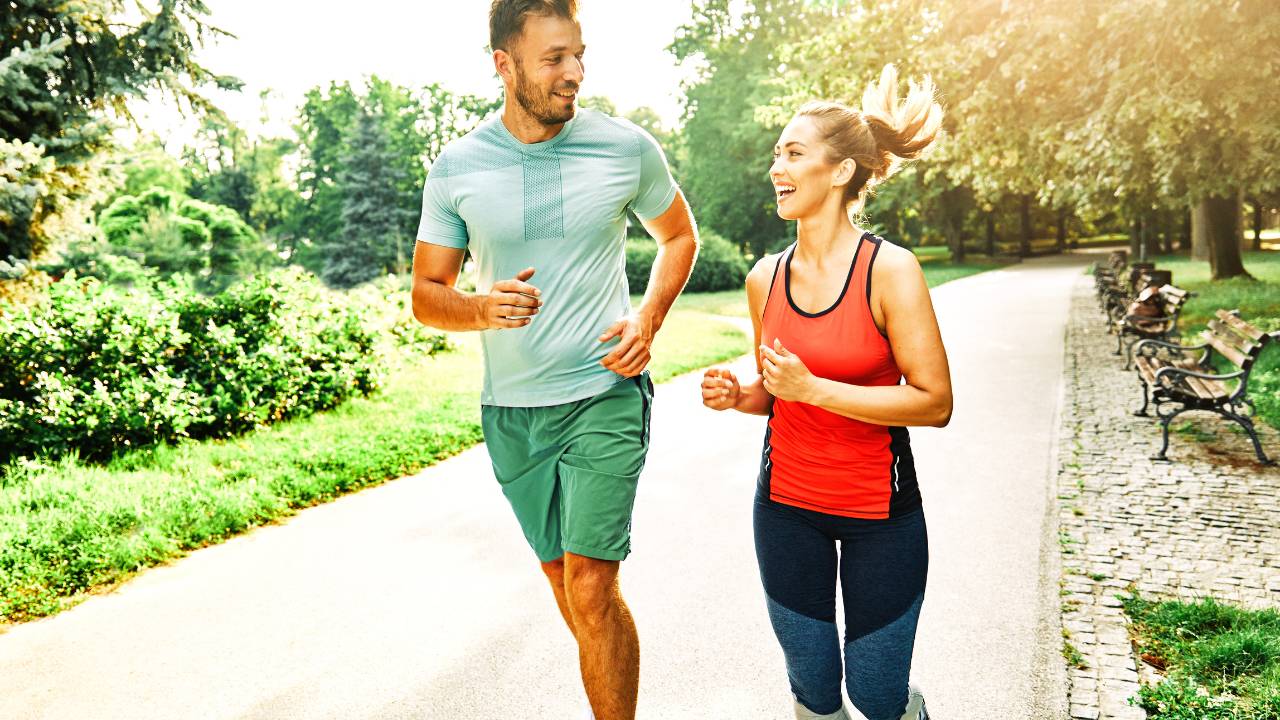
(554, 571)
(608, 646)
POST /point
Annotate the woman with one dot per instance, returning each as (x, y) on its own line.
(849, 354)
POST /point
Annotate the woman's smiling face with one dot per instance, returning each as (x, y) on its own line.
(801, 174)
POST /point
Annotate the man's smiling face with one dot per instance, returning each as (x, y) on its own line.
(547, 63)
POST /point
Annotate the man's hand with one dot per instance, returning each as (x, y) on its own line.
(785, 375)
(720, 389)
(631, 355)
(511, 303)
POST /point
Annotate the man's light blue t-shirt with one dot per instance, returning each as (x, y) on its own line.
(559, 207)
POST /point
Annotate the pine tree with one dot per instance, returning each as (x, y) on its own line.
(374, 210)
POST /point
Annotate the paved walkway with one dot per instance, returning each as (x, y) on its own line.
(1202, 524)
(418, 599)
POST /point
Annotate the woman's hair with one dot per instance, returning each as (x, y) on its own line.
(886, 131)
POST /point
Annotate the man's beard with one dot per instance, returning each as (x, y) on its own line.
(538, 103)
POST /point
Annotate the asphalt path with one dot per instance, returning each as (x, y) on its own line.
(419, 598)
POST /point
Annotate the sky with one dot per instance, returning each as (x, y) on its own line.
(290, 47)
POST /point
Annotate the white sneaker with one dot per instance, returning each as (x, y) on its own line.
(804, 713)
(915, 704)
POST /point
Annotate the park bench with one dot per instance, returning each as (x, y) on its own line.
(1105, 275)
(1179, 383)
(1125, 288)
(1130, 328)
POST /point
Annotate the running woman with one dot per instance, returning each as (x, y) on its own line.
(849, 354)
(543, 188)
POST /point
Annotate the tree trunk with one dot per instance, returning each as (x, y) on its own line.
(1257, 226)
(991, 234)
(1024, 245)
(1149, 239)
(955, 240)
(1062, 231)
(1184, 239)
(1199, 233)
(1136, 247)
(1221, 221)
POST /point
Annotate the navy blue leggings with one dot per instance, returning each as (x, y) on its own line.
(882, 566)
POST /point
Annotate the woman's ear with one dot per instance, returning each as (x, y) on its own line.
(844, 172)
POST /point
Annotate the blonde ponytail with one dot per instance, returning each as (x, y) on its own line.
(883, 134)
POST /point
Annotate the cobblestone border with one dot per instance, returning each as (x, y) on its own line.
(1202, 524)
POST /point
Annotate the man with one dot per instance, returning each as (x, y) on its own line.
(539, 196)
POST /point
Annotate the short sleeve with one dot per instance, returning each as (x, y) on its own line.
(657, 188)
(441, 224)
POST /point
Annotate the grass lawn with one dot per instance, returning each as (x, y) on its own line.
(1220, 662)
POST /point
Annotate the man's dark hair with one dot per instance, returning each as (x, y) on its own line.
(506, 17)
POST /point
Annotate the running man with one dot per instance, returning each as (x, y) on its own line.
(539, 196)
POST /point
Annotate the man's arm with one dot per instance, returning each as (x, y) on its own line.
(436, 303)
(677, 237)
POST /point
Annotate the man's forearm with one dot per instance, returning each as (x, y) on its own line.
(671, 270)
(442, 307)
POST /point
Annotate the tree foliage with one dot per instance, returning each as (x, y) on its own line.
(65, 70)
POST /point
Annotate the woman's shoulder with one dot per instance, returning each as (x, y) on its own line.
(763, 270)
(891, 258)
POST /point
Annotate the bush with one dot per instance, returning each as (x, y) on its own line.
(176, 234)
(93, 370)
(640, 256)
(720, 265)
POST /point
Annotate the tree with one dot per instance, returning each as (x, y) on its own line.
(726, 146)
(373, 239)
(66, 70)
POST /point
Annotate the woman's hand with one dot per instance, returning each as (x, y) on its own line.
(720, 389)
(785, 375)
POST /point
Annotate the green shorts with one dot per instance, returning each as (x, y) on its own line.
(570, 471)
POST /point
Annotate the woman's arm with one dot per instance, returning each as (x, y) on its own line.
(720, 387)
(912, 327)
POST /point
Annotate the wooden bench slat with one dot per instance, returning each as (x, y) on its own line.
(1241, 360)
(1229, 336)
(1240, 326)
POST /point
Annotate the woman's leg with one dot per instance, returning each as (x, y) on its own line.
(798, 569)
(883, 565)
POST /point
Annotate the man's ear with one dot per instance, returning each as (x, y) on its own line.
(844, 172)
(504, 63)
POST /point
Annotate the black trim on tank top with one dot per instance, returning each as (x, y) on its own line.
(848, 279)
(773, 281)
(904, 488)
(870, 266)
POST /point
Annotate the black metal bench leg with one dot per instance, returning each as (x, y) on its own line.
(1164, 441)
(1146, 398)
(1128, 354)
(1119, 343)
(1165, 420)
(1247, 424)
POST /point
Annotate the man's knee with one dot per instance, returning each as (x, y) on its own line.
(591, 586)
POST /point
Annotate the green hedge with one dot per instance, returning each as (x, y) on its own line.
(94, 370)
(720, 265)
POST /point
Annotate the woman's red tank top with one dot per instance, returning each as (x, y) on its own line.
(816, 459)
